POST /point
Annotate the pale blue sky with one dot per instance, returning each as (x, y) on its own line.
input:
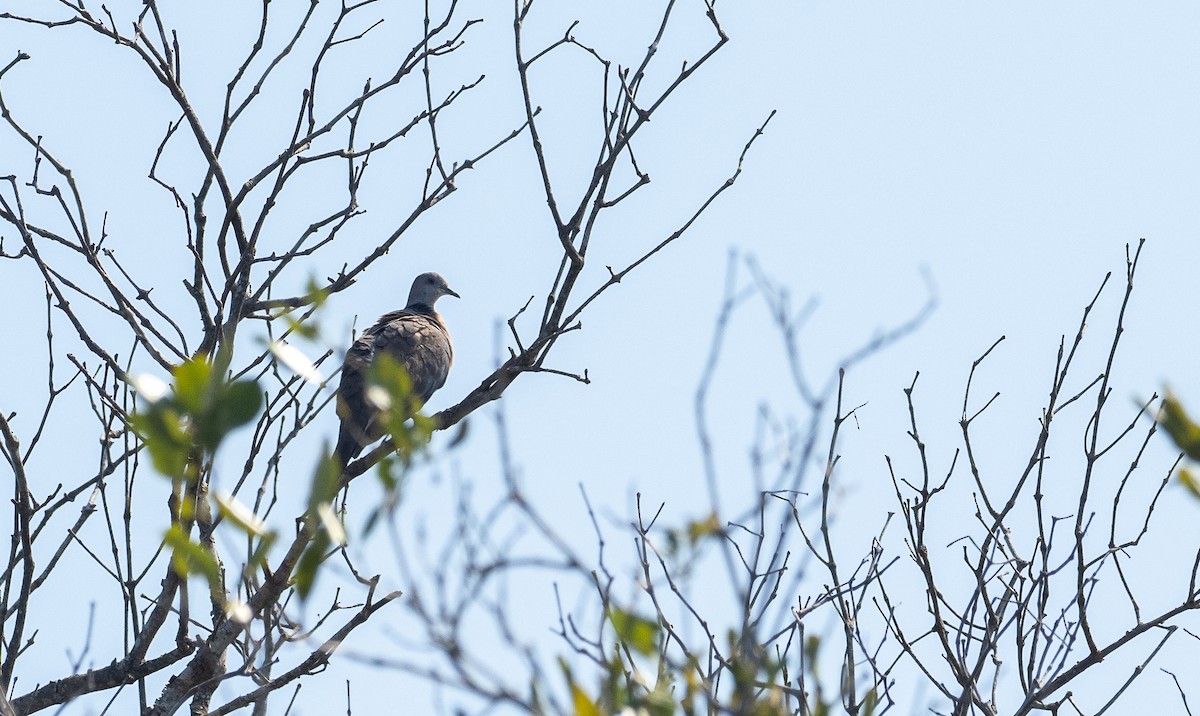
(1010, 150)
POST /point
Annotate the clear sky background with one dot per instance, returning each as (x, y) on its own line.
(1008, 151)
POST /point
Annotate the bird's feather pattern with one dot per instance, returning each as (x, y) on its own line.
(417, 340)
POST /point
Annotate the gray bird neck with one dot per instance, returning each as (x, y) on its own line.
(425, 309)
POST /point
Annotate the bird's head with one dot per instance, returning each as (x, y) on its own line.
(428, 288)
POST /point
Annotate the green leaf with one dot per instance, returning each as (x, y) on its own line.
(193, 384)
(390, 375)
(812, 647)
(306, 570)
(187, 557)
(239, 515)
(660, 702)
(300, 327)
(199, 413)
(390, 388)
(319, 518)
(326, 481)
(296, 361)
(372, 520)
(582, 703)
(707, 527)
(692, 687)
(616, 690)
(638, 633)
(392, 473)
(1190, 481)
(240, 402)
(259, 558)
(242, 518)
(1184, 432)
(305, 325)
(164, 431)
(584, 706)
(870, 702)
(387, 474)
(315, 292)
(331, 524)
(232, 405)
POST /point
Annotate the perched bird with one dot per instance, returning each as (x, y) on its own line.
(416, 338)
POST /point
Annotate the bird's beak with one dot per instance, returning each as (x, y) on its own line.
(449, 292)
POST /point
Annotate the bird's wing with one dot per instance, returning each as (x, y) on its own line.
(357, 415)
(416, 341)
(421, 344)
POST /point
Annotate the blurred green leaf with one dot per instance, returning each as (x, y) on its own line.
(744, 672)
(243, 519)
(812, 646)
(238, 404)
(199, 412)
(372, 520)
(230, 405)
(692, 686)
(300, 327)
(870, 702)
(306, 324)
(239, 515)
(259, 558)
(638, 633)
(584, 706)
(149, 387)
(707, 527)
(306, 570)
(296, 361)
(1184, 432)
(164, 431)
(192, 384)
(325, 483)
(582, 703)
(396, 396)
(391, 473)
(1189, 480)
(616, 690)
(684, 544)
(387, 474)
(389, 388)
(818, 706)
(187, 557)
(331, 524)
(315, 292)
(535, 695)
(660, 702)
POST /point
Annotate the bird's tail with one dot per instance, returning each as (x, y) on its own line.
(348, 447)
